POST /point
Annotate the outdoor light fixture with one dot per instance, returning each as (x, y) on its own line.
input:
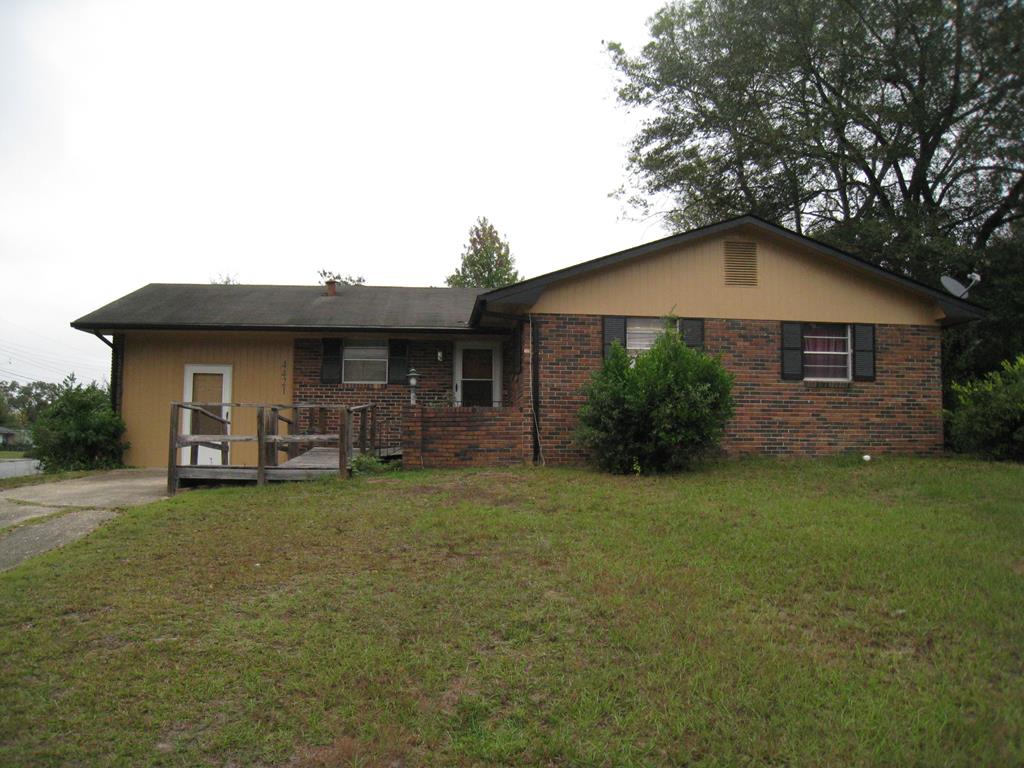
(414, 378)
(440, 355)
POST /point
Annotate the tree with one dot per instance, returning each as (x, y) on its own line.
(658, 412)
(486, 262)
(889, 129)
(224, 278)
(79, 430)
(327, 275)
(27, 401)
(822, 113)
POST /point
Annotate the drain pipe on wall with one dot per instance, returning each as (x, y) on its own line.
(535, 387)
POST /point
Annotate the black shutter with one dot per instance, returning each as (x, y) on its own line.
(864, 352)
(398, 361)
(330, 361)
(792, 352)
(614, 330)
(692, 330)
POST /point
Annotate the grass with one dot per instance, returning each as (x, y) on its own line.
(12, 454)
(755, 612)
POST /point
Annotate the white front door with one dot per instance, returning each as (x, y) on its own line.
(478, 373)
(206, 384)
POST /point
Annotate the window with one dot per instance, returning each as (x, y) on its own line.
(641, 333)
(365, 362)
(826, 351)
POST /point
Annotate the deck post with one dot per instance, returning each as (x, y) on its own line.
(272, 427)
(261, 453)
(172, 453)
(344, 436)
(373, 428)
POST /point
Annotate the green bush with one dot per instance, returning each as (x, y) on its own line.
(988, 418)
(79, 430)
(368, 464)
(657, 413)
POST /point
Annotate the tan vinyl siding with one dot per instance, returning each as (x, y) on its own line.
(154, 375)
(691, 281)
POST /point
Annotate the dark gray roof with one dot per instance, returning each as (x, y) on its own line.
(527, 291)
(284, 307)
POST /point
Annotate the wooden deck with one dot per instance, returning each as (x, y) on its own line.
(323, 453)
(314, 463)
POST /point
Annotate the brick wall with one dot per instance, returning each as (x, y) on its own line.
(464, 437)
(434, 389)
(901, 411)
(435, 386)
(567, 349)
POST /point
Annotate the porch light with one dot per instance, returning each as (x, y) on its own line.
(414, 378)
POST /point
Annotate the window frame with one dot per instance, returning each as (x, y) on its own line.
(634, 351)
(365, 344)
(848, 354)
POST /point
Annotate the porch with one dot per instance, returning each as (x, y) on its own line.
(201, 442)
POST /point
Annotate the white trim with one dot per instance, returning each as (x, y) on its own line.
(225, 394)
(495, 347)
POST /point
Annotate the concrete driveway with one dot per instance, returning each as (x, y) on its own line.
(36, 518)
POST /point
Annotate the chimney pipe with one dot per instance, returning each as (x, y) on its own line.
(332, 287)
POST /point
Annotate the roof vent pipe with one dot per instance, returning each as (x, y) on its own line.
(332, 287)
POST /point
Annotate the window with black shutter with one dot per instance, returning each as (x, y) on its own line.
(330, 361)
(692, 330)
(398, 361)
(863, 352)
(792, 351)
(614, 330)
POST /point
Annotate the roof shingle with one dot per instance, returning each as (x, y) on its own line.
(293, 307)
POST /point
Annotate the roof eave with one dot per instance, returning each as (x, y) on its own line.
(92, 327)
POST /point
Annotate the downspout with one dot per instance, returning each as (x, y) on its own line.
(538, 447)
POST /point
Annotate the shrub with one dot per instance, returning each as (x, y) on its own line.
(989, 414)
(79, 430)
(656, 413)
(368, 464)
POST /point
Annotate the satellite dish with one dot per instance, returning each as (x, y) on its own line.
(957, 288)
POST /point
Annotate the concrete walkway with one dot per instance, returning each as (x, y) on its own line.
(37, 518)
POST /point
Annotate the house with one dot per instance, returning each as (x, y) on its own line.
(829, 352)
(8, 436)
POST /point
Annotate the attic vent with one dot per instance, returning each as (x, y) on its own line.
(740, 263)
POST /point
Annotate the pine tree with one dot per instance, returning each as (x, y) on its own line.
(486, 262)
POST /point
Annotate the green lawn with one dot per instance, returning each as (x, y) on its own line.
(757, 612)
(11, 454)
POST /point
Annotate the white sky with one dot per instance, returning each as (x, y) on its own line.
(175, 141)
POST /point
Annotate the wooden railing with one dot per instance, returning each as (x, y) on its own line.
(349, 439)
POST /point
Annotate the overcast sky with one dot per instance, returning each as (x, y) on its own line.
(177, 141)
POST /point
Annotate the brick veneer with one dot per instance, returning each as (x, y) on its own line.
(435, 385)
(434, 389)
(567, 349)
(465, 437)
(900, 412)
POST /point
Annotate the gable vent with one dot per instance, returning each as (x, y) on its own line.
(740, 263)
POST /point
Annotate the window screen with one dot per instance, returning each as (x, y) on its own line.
(826, 351)
(641, 333)
(365, 363)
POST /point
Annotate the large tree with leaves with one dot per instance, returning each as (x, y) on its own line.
(487, 260)
(890, 128)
